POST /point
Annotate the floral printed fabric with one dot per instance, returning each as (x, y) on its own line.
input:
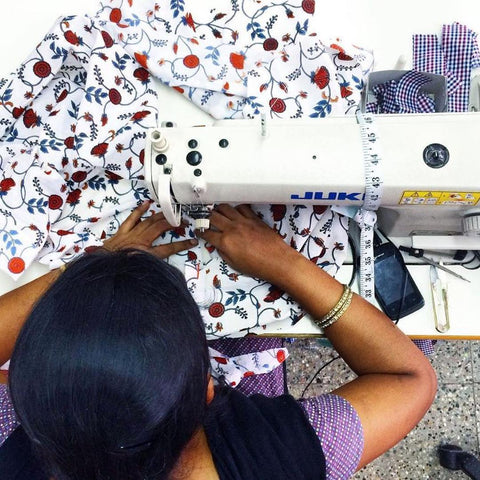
(232, 370)
(74, 116)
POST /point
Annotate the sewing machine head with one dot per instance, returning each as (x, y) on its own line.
(430, 170)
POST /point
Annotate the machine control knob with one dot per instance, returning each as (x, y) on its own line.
(161, 159)
(194, 158)
(436, 155)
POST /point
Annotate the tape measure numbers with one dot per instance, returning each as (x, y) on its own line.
(366, 217)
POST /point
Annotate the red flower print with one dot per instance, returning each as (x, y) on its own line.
(107, 39)
(112, 176)
(221, 360)
(277, 105)
(280, 356)
(216, 282)
(345, 91)
(71, 37)
(308, 6)
(274, 293)
(248, 374)
(73, 196)
(30, 118)
(17, 112)
(62, 96)
(115, 15)
(69, 142)
(191, 61)
(55, 202)
(99, 150)
(141, 59)
(62, 233)
(140, 115)
(128, 163)
(219, 326)
(79, 176)
(216, 309)
(319, 209)
(141, 156)
(179, 89)
(270, 44)
(42, 69)
(278, 212)
(344, 56)
(16, 265)
(192, 256)
(237, 60)
(141, 74)
(6, 184)
(114, 96)
(189, 21)
(321, 77)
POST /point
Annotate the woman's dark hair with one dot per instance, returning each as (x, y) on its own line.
(109, 374)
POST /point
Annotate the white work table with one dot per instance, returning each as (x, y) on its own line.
(364, 26)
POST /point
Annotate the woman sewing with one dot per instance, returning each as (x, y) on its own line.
(110, 379)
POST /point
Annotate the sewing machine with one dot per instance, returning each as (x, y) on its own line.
(364, 25)
(430, 173)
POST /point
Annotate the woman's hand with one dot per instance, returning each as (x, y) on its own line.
(140, 234)
(247, 244)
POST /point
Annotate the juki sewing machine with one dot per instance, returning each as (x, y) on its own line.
(429, 170)
(425, 184)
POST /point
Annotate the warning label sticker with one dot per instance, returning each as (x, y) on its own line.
(439, 198)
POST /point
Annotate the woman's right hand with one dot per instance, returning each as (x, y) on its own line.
(247, 244)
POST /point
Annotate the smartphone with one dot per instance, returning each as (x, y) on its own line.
(395, 290)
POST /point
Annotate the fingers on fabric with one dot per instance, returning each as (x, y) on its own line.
(164, 251)
(134, 217)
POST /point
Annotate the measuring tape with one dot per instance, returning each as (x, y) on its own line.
(366, 216)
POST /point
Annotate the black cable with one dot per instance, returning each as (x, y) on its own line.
(354, 260)
(316, 373)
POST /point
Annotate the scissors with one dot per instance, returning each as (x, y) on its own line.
(418, 252)
(440, 300)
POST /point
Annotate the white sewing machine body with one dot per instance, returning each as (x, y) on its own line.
(321, 162)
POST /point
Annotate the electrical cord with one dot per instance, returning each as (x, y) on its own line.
(316, 373)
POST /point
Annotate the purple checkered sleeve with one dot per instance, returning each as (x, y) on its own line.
(8, 419)
(340, 431)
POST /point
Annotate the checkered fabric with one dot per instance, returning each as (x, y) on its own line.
(403, 96)
(455, 57)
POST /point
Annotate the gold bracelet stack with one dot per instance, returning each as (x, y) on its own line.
(338, 310)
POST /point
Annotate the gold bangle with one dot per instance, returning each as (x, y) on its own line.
(338, 310)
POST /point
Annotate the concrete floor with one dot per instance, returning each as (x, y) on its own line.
(453, 418)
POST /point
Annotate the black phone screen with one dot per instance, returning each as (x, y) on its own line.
(395, 290)
(390, 279)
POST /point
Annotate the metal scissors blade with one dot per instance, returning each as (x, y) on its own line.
(445, 269)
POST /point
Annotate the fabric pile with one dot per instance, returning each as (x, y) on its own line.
(74, 118)
(454, 56)
(402, 96)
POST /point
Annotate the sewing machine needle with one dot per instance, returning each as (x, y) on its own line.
(445, 269)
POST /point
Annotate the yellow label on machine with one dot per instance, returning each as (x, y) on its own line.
(439, 198)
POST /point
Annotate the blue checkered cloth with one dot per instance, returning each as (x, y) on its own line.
(402, 96)
(454, 57)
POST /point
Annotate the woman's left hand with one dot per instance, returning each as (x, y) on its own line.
(140, 234)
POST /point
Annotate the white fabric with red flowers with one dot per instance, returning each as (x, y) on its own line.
(232, 369)
(74, 115)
